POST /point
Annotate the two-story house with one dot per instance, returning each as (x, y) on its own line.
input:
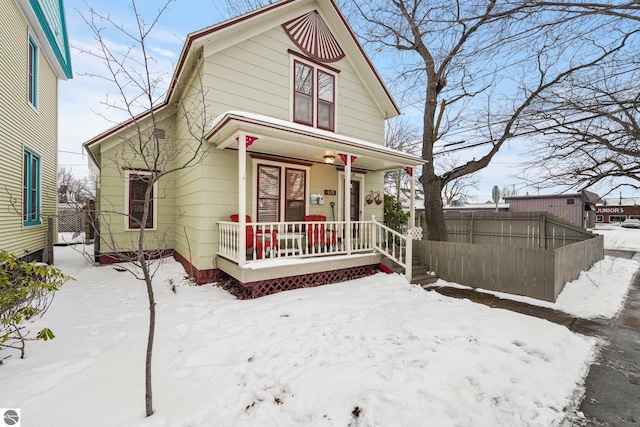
(296, 155)
(34, 56)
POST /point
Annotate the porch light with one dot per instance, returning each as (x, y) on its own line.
(329, 159)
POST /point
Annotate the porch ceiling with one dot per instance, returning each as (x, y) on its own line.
(282, 138)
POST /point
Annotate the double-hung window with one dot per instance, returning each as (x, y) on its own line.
(281, 193)
(32, 83)
(137, 184)
(314, 96)
(31, 188)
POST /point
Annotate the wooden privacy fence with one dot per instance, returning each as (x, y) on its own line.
(515, 229)
(516, 261)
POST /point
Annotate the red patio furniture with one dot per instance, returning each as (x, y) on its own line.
(318, 236)
(252, 241)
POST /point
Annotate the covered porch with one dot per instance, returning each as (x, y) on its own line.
(297, 235)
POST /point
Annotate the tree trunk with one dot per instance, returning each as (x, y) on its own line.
(436, 228)
(431, 183)
(152, 323)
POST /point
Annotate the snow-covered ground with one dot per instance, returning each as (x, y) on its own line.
(369, 352)
(616, 237)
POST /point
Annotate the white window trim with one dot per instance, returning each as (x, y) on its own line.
(128, 173)
(282, 166)
(292, 86)
(35, 104)
(354, 177)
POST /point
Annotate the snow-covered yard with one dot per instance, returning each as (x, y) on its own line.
(370, 352)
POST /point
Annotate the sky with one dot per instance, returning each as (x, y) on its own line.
(308, 357)
(82, 114)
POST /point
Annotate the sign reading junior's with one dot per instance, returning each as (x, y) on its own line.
(616, 214)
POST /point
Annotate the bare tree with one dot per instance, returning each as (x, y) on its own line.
(460, 188)
(509, 191)
(146, 156)
(476, 68)
(75, 189)
(590, 130)
(401, 135)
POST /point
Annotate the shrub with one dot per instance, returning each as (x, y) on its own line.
(26, 290)
(394, 217)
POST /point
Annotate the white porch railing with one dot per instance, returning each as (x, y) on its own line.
(267, 240)
(312, 239)
(394, 246)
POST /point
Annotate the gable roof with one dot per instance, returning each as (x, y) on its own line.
(245, 26)
(46, 18)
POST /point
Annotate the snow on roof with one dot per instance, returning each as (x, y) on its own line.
(306, 130)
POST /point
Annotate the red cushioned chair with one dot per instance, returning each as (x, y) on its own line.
(317, 235)
(252, 241)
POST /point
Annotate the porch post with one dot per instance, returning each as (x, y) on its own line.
(242, 198)
(412, 205)
(347, 202)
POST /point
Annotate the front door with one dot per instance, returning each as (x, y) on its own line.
(354, 209)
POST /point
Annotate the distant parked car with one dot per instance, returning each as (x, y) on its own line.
(631, 223)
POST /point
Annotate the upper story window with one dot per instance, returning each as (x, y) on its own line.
(31, 188)
(32, 83)
(314, 96)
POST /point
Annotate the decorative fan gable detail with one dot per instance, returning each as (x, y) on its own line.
(310, 33)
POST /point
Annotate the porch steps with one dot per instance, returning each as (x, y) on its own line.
(420, 273)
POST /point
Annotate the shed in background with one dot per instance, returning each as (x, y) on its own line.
(578, 208)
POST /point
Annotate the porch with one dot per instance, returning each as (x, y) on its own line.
(287, 174)
(288, 255)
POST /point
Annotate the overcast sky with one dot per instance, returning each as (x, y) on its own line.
(81, 99)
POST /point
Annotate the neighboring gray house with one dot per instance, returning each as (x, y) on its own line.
(577, 208)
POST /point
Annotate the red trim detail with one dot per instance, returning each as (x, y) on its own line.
(249, 140)
(343, 157)
(310, 33)
(313, 61)
(281, 159)
(201, 276)
(409, 170)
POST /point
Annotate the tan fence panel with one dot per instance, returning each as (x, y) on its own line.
(513, 263)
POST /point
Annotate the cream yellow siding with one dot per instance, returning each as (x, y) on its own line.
(255, 76)
(23, 126)
(116, 162)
